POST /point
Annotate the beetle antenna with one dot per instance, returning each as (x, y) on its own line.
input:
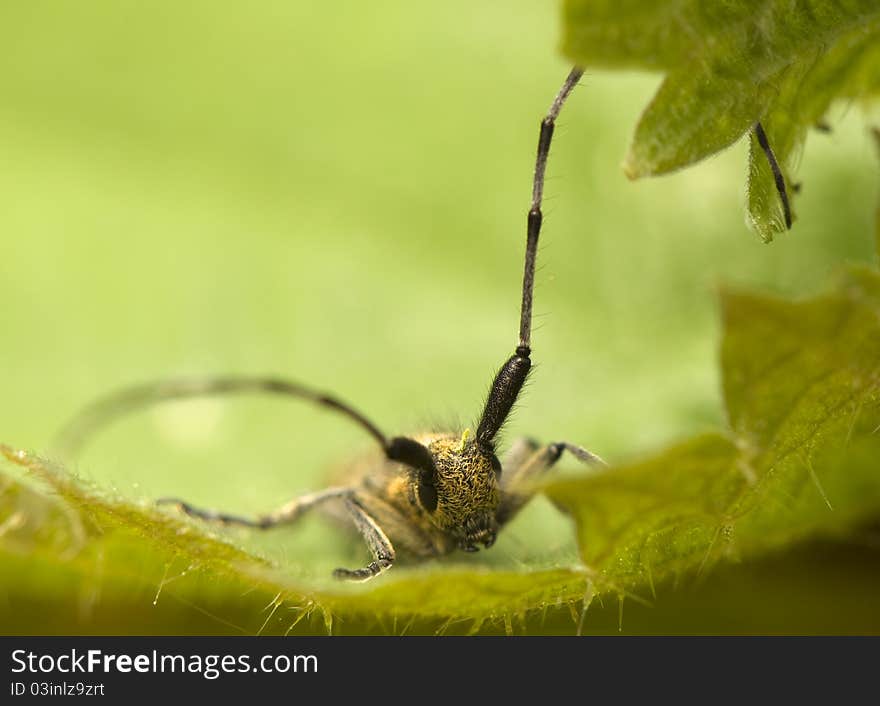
(72, 437)
(510, 379)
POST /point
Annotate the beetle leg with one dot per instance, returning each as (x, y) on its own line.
(286, 514)
(377, 541)
(515, 494)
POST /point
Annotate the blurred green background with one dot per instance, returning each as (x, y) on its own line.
(336, 192)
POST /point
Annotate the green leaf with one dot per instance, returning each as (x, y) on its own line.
(802, 388)
(875, 133)
(729, 66)
(63, 525)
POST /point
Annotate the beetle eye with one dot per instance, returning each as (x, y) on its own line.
(417, 457)
(427, 496)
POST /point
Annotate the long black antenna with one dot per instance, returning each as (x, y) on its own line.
(510, 379)
(535, 216)
(132, 399)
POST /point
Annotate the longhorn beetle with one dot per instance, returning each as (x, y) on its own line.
(430, 493)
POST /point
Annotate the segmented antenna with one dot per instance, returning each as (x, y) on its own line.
(108, 409)
(510, 379)
(535, 216)
(123, 402)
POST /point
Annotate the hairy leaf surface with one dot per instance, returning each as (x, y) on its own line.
(728, 66)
